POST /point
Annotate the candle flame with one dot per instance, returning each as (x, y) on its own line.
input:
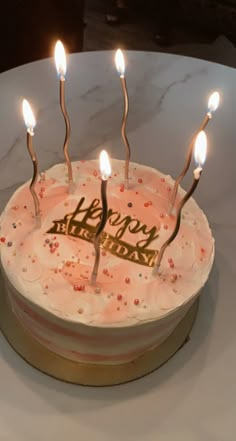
(105, 166)
(200, 148)
(120, 62)
(213, 102)
(28, 116)
(60, 59)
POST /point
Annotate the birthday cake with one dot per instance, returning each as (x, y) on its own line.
(129, 310)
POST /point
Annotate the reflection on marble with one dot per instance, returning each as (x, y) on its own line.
(168, 98)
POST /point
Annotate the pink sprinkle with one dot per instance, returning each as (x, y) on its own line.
(146, 204)
(140, 180)
(162, 180)
(170, 260)
(136, 301)
(119, 297)
(172, 265)
(127, 280)
(75, 287)
(173, 278)
(122, 189)
(3, 239)
(166, 227)
(57, 244)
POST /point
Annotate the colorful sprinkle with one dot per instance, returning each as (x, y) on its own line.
(119, 297)
(9, 244)
(140, 180)
(136, 301)
(127, 280)
(165, 227)
(130, 204)
(3, 239)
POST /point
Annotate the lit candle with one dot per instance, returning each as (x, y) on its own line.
(60, 61)
(105, 169)
(200, 156)
(120, 66)
(213, 103)
(30, 124)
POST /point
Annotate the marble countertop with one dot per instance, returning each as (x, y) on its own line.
(192, 397)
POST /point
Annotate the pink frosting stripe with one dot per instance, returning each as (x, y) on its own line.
(87, 357)
(86, 338)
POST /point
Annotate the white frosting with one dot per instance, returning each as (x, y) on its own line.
(47, 279)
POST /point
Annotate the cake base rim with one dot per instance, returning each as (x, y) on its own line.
(87, 374)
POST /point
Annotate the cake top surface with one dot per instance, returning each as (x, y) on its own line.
(51, 266)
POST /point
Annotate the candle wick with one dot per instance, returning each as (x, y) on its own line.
(30, 130)
(197, 172)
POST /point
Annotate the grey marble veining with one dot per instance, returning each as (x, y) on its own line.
(192, 397)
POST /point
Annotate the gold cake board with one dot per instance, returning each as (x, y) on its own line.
(90, 374)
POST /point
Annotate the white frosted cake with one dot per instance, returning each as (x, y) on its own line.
(47, 270)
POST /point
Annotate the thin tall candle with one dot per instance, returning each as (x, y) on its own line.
(120, 66)
(213, 103)
(60, 60)
(30, 124)
(105, 169)
(200, 155)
